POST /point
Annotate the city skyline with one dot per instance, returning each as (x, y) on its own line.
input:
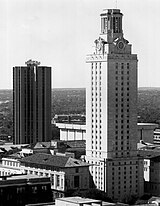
(60, 33)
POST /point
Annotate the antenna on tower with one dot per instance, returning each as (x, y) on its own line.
(116, 3)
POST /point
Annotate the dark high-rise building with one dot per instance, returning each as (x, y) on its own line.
(31, 103)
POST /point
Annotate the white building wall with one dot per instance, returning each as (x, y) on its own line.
(147, 170)
(10, 166)
(146, 132)
(57, 178)
(111, 107)
(72, 131)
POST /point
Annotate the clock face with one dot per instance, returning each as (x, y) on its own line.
(120, 45)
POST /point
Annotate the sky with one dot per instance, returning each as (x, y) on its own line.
(60, 33)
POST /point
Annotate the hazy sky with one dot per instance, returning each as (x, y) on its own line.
(60, 33)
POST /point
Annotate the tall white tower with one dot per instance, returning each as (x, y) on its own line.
(111, 140)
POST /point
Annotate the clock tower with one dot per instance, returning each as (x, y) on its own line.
(111, 107)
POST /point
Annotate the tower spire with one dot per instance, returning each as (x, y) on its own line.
(116, 3)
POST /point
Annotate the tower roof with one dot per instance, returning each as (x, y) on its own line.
(110, 12)
(31, 62)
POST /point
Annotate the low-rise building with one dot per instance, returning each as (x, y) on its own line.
(24, 189)
(67, 174)
(146, 131)
(156, 137)
(69, 131)
(72, 131)
(10, 165)
(75, 147)
(151, 155)
(77, 201)
(153, 185)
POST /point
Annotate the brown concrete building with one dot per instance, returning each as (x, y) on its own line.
(31, 103)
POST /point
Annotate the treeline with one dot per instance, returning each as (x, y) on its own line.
(73, 101)
(68, 101)
(149, 105)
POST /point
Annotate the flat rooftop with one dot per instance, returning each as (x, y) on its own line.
(21, 176)
(147, 124)
(79, 200)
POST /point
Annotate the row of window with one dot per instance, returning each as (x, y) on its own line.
(96, 108)
(121, 72)
(120, 110)
(122, 65)
(56, 180)
(125, 168)
(10, 163)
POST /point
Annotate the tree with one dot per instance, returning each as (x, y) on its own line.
(93, 194)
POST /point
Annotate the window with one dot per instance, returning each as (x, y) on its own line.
(34, 189)
(76, 181)
(58, 180)
(122, 66)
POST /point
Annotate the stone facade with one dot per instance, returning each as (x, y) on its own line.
(111, 106)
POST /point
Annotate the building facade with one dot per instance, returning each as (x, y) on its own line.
(79, 201)
(111, 106)
(156, 137)
(72, 131)
(10, 166)
(31, 103)
(152, 184)
(66, 174)
(146, 132)
(24, 189)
